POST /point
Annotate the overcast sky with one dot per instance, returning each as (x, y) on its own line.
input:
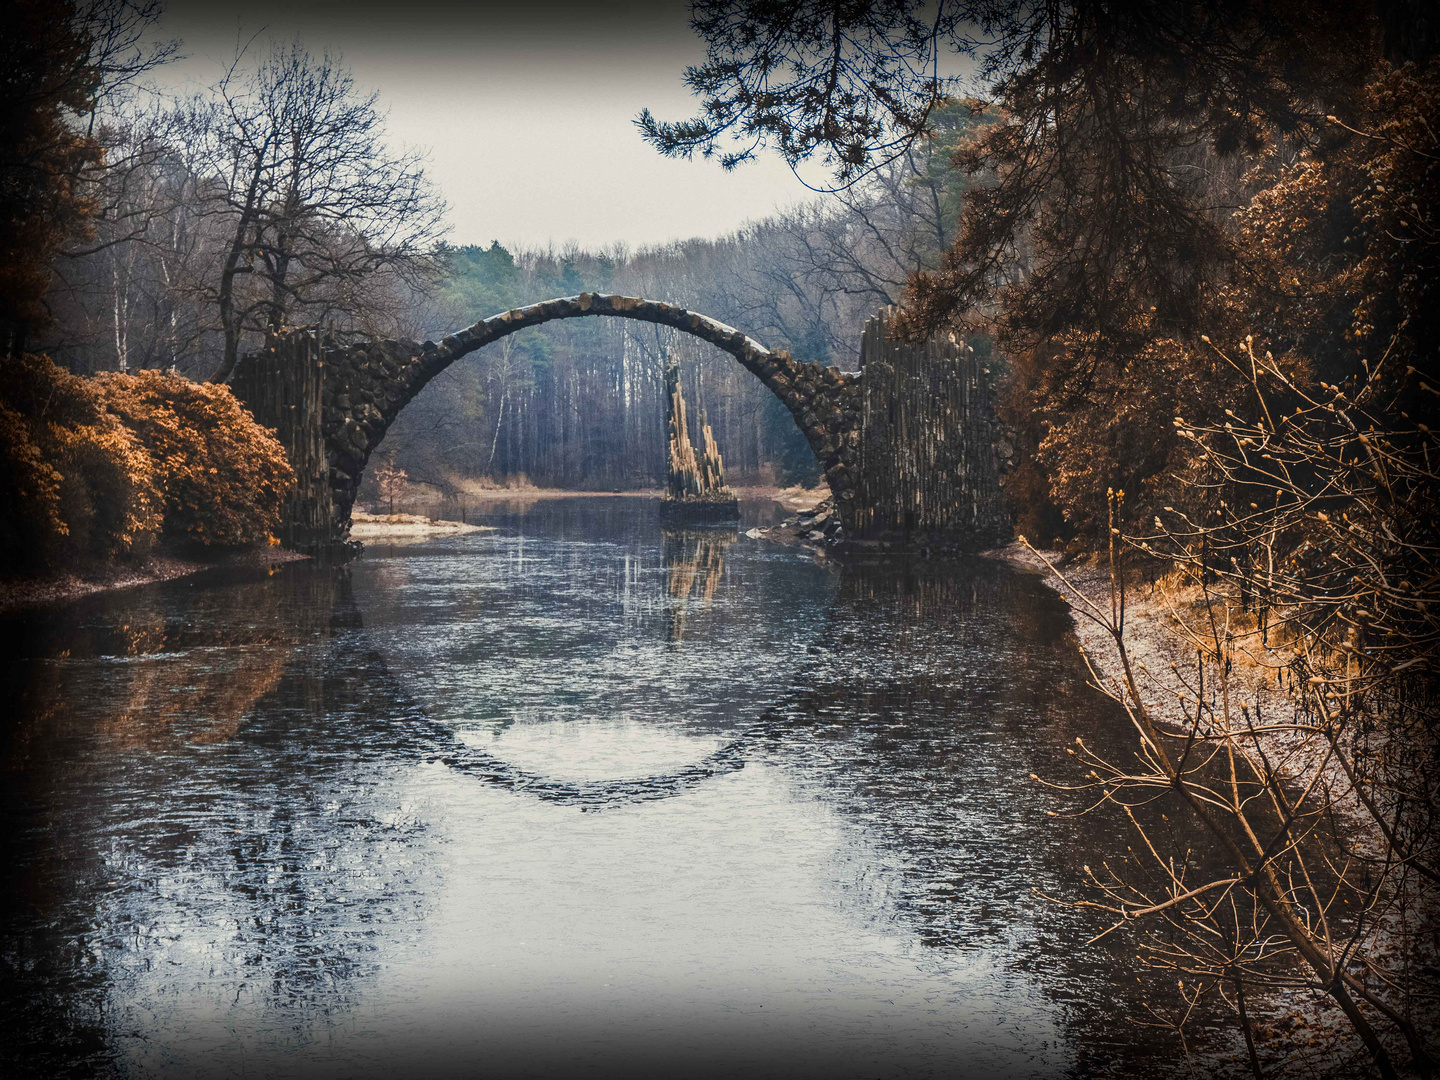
(527, 110)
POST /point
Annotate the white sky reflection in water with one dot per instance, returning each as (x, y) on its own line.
(745, 925)
(728, 929)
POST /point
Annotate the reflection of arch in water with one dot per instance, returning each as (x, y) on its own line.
(594, 794)
(433, 741)
(439, 743)
(908, 596)
(912, 592)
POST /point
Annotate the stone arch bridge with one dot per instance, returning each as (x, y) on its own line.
(909, 444)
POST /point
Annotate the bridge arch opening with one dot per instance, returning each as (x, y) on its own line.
(356, 421)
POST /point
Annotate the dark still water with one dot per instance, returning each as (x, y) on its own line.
(570, 798)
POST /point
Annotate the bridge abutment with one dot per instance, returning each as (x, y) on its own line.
(283, 385)
(930, 453)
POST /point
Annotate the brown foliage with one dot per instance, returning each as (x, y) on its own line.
(221, 475)
(1332, 266)
(1124, 126)
(75, 483)
(94, 469)
(1101, 234)
(1338, 250)
(1297, 493)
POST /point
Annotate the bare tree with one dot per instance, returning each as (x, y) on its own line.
(61, 65)
(1310, 786)
(133, 294)
(321, 214)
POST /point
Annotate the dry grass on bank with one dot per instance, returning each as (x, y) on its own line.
(795, 498)
(376, 527)
(1377, 917)
(477, 491)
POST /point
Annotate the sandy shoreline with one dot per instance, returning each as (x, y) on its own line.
(1154, 633)
(379, 528)
(807, 496)
(796, 497)
(1162, 631)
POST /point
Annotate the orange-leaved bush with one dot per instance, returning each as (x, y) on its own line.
(221, 475)
(75, 483)
(95, 469)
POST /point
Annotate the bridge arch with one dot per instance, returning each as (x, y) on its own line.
(911, 451)
(368, 384)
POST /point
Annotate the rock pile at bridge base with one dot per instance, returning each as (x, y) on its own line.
(819, 527)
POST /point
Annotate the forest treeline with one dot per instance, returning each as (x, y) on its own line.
(582, 404)
(563, 406)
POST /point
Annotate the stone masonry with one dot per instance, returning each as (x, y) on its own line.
(365, 386)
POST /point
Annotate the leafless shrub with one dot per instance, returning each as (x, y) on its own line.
(1287, 842)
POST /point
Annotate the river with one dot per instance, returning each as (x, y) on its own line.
(569, 798)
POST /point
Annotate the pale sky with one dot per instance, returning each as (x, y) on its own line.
(526, 110)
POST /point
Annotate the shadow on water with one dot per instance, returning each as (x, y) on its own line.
(324, 822)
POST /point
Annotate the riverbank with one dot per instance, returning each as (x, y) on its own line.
(474, 491)
(486, 497)
(60, 588)
(1167, 624)
(793, 498)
